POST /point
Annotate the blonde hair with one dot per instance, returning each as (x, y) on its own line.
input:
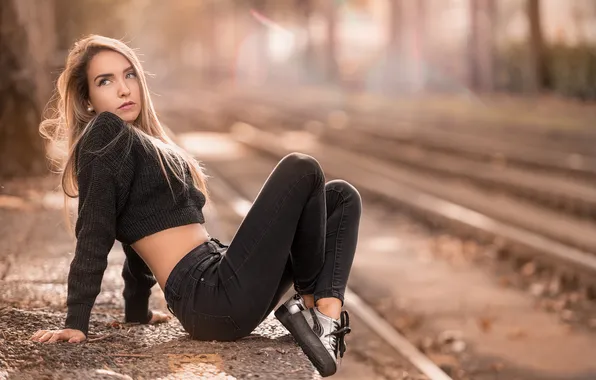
(69, 119)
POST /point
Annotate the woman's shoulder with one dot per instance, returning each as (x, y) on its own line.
(106, 135)
(109, 118)
(106, 127)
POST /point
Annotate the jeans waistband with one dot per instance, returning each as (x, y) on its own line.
(193, 261)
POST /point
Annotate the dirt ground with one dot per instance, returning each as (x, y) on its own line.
(34, 261)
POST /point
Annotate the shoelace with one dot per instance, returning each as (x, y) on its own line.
(343, 329)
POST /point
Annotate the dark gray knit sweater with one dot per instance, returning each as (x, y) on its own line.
(124, 196)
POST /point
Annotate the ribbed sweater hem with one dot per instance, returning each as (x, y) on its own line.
(78, 317)
(137, 310)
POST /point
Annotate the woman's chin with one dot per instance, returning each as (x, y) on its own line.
(129, 116)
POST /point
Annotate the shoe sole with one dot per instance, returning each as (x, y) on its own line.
(307, 340)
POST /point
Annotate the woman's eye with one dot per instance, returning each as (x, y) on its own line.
(131, 75)
(103, 82)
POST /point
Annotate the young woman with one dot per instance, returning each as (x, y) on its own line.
(136, 186)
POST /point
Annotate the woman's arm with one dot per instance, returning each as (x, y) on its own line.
(95, 232)
(101, 180)
(138, 281)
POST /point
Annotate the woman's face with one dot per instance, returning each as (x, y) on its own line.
(114, 86)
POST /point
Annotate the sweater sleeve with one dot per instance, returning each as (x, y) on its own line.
(138, 281)
(95, 232)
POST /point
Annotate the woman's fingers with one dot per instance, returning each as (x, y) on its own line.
(57, 335)
(45, 337)
(38, 334)
(52, 336)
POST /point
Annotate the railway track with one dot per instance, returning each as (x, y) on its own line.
(438, 127)
(536, 176)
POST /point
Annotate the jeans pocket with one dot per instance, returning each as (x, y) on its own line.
(178, 296)
(171, 295)
(212, 327)
(206, 273)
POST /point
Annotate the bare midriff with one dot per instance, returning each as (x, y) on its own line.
(164, 249)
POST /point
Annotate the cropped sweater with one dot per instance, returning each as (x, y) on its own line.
(124, 196)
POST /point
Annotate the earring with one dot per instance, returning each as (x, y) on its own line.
(90, 109)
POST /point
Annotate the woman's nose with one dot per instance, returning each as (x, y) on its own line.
(123, 90)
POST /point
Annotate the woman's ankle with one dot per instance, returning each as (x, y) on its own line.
(330, 307)
(309, 300)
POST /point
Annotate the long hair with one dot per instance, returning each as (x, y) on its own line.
(69, 119)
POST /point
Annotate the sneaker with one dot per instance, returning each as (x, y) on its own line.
(322, 338)
(293, 305)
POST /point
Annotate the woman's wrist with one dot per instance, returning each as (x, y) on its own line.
(135, 316)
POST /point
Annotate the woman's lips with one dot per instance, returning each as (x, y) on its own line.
(127, 106)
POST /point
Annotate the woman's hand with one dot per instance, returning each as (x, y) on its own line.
(51, 336)
(159, 317)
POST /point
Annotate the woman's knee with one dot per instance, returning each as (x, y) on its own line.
(349, 193)
(301, 163)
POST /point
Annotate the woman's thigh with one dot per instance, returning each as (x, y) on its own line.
(253, 267)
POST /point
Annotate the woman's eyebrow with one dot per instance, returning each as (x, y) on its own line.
(111, 75)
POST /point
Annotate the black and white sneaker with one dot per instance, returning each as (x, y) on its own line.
(293, 305)
(320, 337)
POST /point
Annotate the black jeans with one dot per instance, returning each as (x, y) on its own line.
(300, 230)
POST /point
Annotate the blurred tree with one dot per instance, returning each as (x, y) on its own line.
(395, 46)
(79, 18)
(27, 41)
(472, 43)
(537, 59)
(481, 45)
(419, 53)
(212, 64)
(305, 9)
(331, 67)
(261, 45)
(395, 29)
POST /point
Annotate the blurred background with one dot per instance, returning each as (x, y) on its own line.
(380, 46)
(468, 126)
